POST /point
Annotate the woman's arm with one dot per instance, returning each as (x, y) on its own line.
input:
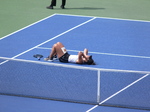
(81, 58)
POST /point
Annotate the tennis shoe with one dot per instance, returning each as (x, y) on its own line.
(48, 59)
(55, 57)
(51, 59)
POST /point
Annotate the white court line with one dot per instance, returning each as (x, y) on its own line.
(23, 29)
(77, 51)
(75, 16)
(76, 66)
(98, 85)
(134, 20)
(27, 26)
(4, 62)
(118, 92)
(112, 54)
(53, 38)
(92, 108)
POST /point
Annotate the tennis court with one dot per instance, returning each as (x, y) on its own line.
(120, 77)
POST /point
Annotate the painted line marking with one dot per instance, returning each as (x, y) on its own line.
(53, 38)
(118, 92)
(27, 26)
(112, 54)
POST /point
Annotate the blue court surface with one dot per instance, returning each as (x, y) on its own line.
(119, 79)
(21, 104)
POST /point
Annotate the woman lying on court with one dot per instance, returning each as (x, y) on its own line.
(60, 51)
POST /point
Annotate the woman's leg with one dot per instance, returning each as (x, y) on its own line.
(60, 49)
(53, 52)
(57, 49)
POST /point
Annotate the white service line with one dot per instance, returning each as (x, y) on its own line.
(112, 54)
(53, 38)
(92, 108)
(122, 19)
(4, 62)
(123, 89)
(27, 26)
(21, 30)
(77, 67)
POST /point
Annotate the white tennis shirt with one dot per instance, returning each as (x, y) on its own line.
(73, 58)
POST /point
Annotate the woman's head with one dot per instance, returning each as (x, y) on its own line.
(90, 61)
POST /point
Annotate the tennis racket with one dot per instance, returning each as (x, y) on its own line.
(38, 56)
